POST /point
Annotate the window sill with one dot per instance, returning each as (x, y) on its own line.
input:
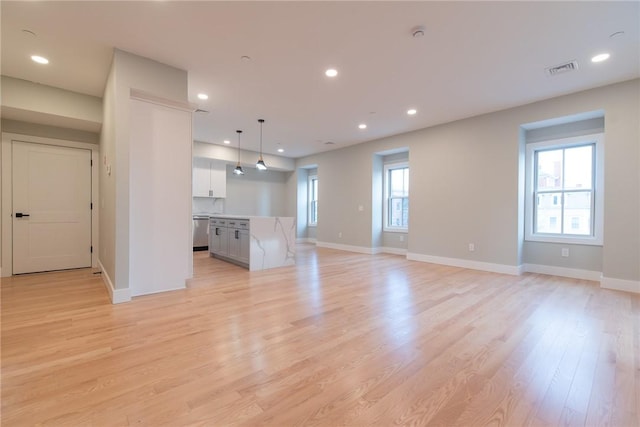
(589, 241)
(312, 225)
(396, 230)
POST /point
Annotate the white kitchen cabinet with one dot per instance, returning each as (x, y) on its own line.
(209, 178)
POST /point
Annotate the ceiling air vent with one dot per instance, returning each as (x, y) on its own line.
(562, 68)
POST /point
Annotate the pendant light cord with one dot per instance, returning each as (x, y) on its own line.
(261, 122)
(238, 170)
(260, 163)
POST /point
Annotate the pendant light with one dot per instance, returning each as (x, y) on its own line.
(260, 163)
(238, 170)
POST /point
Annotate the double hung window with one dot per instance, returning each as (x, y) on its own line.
(313, 200)
(564, 190)
(396, 186)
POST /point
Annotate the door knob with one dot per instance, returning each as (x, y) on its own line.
(20, 214)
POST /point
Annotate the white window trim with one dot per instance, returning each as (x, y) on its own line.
(309, 188)
(598, 192)
(385, 201)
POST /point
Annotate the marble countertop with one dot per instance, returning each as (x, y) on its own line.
(229, 216)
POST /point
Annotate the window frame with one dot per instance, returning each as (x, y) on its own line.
(386, 199)
(597, 202)
(311, 200)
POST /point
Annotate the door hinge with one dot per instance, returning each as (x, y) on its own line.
(91, 249)
(91, 162)
(91, 205)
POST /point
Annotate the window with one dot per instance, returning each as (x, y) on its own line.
(313, 200)
(396, 188)
(564, 190)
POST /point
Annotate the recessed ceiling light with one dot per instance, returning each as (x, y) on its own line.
(226, 141)
(412, 111)
(331, 72)
(600, 57)
(39, 59)
(280, 150)
(362, 126)
(418, 31)
(203, 96)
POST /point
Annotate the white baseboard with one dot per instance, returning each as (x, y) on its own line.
(306, 240)
(620, 284)
(393, 251)
(117, 295)
(573, 273)
(360, 249)
(513, 270)
(348, 248)
(159, 291)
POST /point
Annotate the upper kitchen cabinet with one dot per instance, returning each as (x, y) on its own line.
(209, 178)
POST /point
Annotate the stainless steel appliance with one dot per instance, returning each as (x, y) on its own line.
(200, 232)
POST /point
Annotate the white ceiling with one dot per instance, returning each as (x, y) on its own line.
(475, 57)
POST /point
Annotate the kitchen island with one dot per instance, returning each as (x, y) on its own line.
(254, 242)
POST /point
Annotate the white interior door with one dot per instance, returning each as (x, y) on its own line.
(51, 207)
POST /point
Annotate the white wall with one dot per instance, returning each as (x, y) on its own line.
(258, 193)
(466, 187)
(248, 158)
(107, 204)
(27, 101)
(377, 201)
(46, 131)
(127, 72)
(160, 239)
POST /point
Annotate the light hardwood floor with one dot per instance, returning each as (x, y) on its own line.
(341, 339)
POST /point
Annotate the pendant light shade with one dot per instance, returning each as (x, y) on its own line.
(238, 170)
(260, 163)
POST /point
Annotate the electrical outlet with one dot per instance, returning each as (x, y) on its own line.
(402, 238)
(565, 252)
(340, 235)
(472, 247)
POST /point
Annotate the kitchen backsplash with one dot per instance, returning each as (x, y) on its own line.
(207, 205)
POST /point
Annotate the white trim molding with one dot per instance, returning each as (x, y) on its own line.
(513, 270)
(6, 191)
(306, 240)
(597, 190)
(348, 248)
(165, 102)
(392, 251)
(117, 295)
(620, 284)
(361, 249)
(573, 273)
